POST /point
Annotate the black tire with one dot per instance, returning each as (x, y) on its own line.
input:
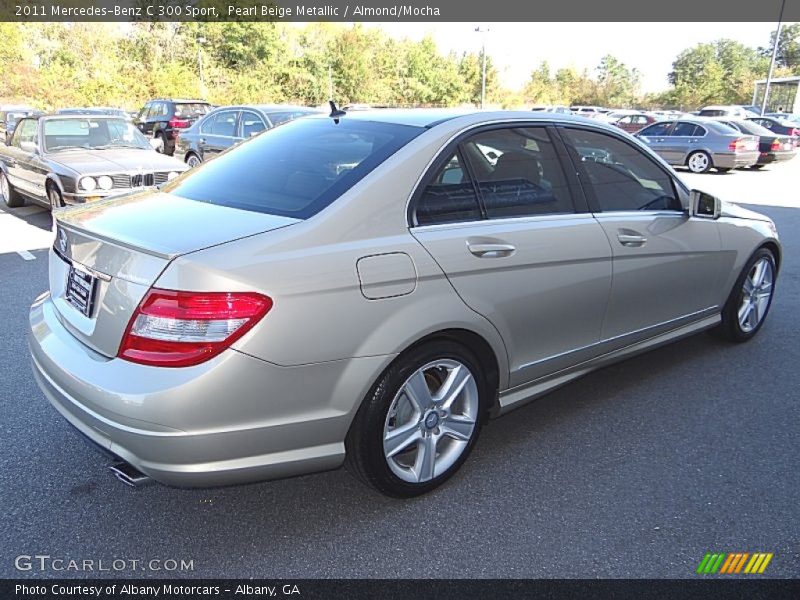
(723, 170)
(730, 328)
(54, 196)
(11, 197)
(364, 444)
(698, 154)
(757, 167)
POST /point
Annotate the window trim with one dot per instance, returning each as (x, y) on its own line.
(579, 201)
(589, 193)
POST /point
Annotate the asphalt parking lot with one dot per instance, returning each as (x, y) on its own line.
(637, 470)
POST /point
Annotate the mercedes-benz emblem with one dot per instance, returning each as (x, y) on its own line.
(62, 241)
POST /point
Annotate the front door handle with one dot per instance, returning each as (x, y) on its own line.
(491, 250)
(631, 240)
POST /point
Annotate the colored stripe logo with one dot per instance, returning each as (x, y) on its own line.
(732, 563)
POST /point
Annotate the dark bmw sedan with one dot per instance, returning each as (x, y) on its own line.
(227, 126)
(772, 146)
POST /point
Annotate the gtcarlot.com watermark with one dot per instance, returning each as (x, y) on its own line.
(44, 563)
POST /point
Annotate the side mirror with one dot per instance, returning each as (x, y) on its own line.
(704, 205)
(29, 147)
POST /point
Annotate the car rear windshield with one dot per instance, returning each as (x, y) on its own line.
(297, 169)
(193, 109)
(713, 112)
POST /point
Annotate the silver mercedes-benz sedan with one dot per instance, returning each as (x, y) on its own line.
(370, 287)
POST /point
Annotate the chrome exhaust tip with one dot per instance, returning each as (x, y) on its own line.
(129, 475)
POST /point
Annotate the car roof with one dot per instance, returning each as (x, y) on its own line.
(430, 117)
(268, 108)
(75, 116)
(179, 100)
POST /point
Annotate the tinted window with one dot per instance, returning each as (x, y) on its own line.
(684, 129)
(449, 197)
(251, 124)
(621, 177)
(656, 129)
(518, 173)
(713, 113)
(193, 109)
(224, 124)
(297, 169)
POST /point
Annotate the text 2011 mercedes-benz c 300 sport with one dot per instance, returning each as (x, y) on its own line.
(370, 287)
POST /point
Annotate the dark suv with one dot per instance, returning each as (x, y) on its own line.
(163, 118)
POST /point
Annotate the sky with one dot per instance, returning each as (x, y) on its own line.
(518, 48)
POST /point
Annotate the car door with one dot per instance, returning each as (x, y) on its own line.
(655, 136)
(680, 142)
(218, 133)
(511, 232)
(22, 164)
(666, 264)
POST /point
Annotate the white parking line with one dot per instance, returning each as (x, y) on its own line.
(26, 255)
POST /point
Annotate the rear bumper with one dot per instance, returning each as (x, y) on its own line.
(771, 157)
(735, 161)
(231, 420)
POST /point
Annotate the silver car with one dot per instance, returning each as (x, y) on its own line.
(701, 144)
(369, 288)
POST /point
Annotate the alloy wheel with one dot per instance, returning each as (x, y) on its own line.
(698, 162)
(193, 161)
(756, 295)
(431, 421)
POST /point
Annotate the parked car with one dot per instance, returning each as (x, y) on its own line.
(779, 126)
(562, 110)
(227, 126)
(731, 112)
(633, 122)
(94, 110)
(752, 108)
(772, 147)
(701, 145)
(10, 116)
(588, 111)
(794, 118)
(373, 287)
(57, 160)
(162, 119)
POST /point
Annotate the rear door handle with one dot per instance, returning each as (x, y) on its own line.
(491, 250)
(631, 240)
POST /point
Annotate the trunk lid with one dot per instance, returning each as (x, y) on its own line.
(121, 246)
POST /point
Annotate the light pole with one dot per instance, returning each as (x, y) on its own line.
(484, 31)
(774, 56)
(200, 42)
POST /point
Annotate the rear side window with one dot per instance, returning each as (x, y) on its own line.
(620, 176)
(685, 130)
(297, 169)
(449, 197)
(251, 124)
(518, 172)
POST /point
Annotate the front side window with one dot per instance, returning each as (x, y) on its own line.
(251, 124)
(297, 169)
(518, 172)
(656, 129)
(617, 176)
(449, 197)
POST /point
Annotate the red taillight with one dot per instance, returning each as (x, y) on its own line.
(795, 132)
(738, 145)
(177, 123)
(776, 145)
(181, 329)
